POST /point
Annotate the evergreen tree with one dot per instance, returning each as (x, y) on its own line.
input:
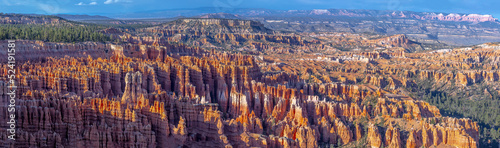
(49, 33)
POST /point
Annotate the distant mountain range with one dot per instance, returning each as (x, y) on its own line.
(83, 17)
(247, 12)
(425, 27)
(377, 14)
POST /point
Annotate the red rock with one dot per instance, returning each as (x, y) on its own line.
(374, 137)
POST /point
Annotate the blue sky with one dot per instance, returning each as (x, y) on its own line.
(110, 7)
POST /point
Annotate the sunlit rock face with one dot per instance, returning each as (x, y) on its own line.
(153, 92)
(210, 99)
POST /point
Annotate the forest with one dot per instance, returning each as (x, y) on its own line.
(53, 33)
(477, 105)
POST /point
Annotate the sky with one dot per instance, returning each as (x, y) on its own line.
(111, 7)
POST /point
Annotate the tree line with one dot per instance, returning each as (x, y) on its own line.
(53, 33)
(475, 104)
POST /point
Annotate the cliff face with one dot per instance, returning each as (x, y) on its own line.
(374, 137)
(225, 33)
(35, 51)
(25, 19)
(220, 25)
(161, 96)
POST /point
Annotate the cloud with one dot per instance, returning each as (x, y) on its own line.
(50, 8)
(110, 1)
(82, 4)
(116, 1)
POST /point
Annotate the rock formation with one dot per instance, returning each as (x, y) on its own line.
(150, 92)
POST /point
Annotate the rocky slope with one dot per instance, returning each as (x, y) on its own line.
(31, 19)
(169, 86)
(252, 37)
(149, 93)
